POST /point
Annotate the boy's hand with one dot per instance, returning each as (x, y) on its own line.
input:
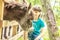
(31, 29)
(37, 39)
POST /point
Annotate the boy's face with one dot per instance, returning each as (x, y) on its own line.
(36, 13)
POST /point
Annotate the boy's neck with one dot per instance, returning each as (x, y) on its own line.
(35, 19)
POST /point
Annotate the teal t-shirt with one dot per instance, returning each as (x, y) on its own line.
(37, 25)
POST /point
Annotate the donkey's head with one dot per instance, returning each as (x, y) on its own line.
(15, 11)
(18, 12)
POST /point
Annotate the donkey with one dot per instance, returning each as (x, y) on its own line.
(19, 12)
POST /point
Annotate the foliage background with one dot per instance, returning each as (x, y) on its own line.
(55, 6)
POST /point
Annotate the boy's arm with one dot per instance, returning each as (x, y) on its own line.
(42, 33)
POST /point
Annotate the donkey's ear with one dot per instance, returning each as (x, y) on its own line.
(24, 1)
(29, 6)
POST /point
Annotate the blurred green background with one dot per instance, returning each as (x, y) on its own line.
(55, 6)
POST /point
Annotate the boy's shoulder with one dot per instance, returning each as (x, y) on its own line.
(42, 24)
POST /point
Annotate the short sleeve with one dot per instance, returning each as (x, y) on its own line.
(42, 24)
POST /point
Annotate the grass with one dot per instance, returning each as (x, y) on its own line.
(21, 38)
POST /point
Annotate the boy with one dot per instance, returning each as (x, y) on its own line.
(37, 24)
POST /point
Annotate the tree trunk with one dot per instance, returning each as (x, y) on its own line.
(51, 24)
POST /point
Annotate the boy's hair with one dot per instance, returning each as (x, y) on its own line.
(34, 8)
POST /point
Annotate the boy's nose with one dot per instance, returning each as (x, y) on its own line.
(36, 12)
